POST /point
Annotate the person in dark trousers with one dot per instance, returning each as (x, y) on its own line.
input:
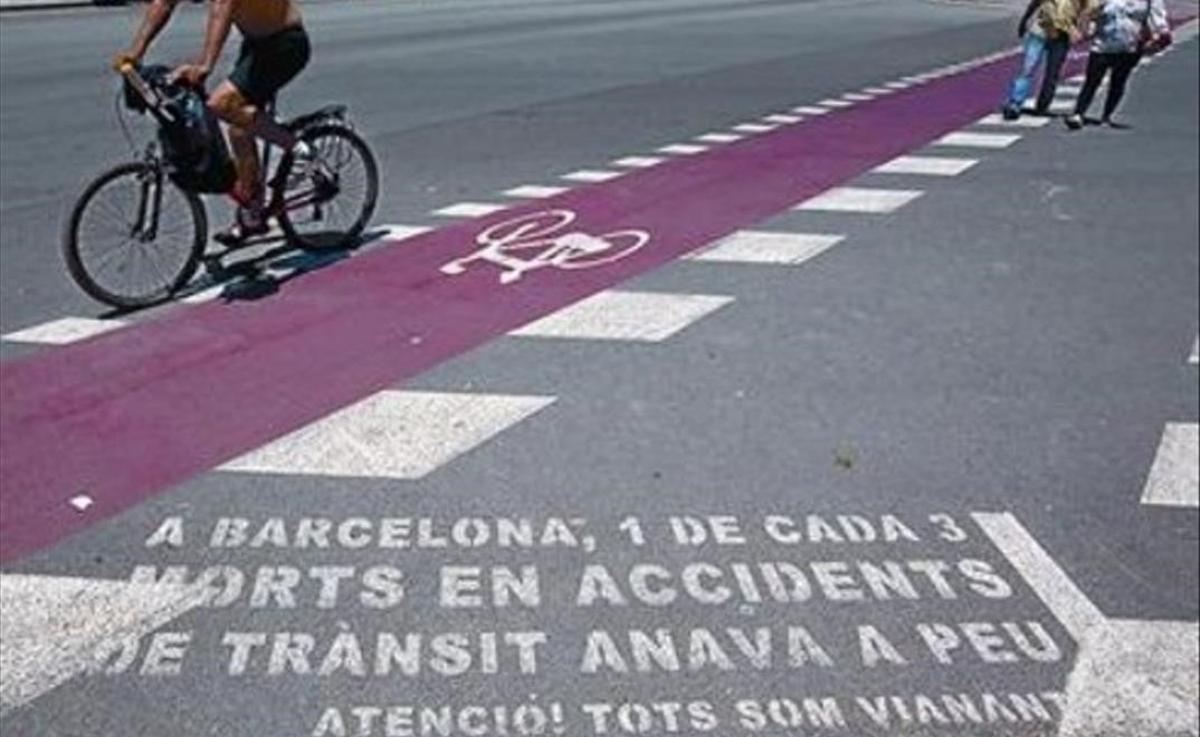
(1047, 30)
(1125, 30)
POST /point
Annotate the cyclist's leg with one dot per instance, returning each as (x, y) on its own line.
(262, 69)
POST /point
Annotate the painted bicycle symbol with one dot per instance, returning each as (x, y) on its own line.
(542, 239)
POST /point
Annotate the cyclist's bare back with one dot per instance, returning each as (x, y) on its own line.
(274, 49)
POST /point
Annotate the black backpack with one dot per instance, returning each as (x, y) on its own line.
(194, 148)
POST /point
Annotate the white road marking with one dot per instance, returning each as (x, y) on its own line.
(861, 200)
(938, 166)
(469, 210)
(64, 330)
(628, 316)
(1135, 678)
(1130, 677)
(53, 626)
(720, 138)
(1174, 479)
(857, 97)
(536, 191)
(761, 247)
(404, 232)
(592, 176)
(754, 128)
(1025, 121)
(639, 162)
(684, 149)
(811, 110)
(1194, 357)
(1051, 583)
(1070, 89)
(978, 140)
(898, 85)
(1062, 106)
(877, 91)
(208, 294)
(392, 434)
(783, 119)
(831, 103)
(81, 502)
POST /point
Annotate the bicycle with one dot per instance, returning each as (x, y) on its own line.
(136, 211)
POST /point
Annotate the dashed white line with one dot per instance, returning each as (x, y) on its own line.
(719, 138)
(469, 210)
(404, 232)
(592, 176)
(535, 191)
(392, 434)
(831, 103)
(1174, 479)
(625, 316)
(1025, 121)
(684, 149)
(754, 128)
(783, 119)
(860, 200)
(811, 110)
(64, 330)
(762, 247)
(639, 162)
(978, 140)
(857, 97)
(938, 166)
(1194, 356)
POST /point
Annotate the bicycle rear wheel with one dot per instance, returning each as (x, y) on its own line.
(133, 237)
(329, 200)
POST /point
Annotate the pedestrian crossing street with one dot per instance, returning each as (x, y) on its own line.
(398, 434)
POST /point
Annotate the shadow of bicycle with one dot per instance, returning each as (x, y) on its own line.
(257, 270)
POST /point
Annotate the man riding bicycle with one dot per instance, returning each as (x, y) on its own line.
(275, 48)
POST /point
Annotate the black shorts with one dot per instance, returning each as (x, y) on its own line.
(266, 64)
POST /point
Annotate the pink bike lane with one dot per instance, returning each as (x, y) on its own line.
(131, 413)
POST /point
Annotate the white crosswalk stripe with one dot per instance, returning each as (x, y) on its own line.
(762, 247)
(684, 149)
(1025, 121)
(938, 166)
(392, 434)
(535, 191)
(811, 110)
(1174, 479)
(639, 162)
(649, 317)
(592, 176)
(404, 232)
(469, 210)
(857, 97)
(62, 331)
(783, 119)
(860, 200)
(719, 138)
(754, 128)
(831, 103)
(978, 140)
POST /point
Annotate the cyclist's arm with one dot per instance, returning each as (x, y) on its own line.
(220, 20)
(157, 15)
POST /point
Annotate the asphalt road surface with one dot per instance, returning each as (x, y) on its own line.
(872, 415)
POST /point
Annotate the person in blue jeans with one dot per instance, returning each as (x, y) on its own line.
(1047, 30)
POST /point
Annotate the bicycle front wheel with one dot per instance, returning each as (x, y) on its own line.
(134, 238)
(329, 198)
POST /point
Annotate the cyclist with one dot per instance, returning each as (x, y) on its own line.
(275, 48)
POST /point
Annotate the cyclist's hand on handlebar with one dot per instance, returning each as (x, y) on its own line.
(191, 75)
(124, 60)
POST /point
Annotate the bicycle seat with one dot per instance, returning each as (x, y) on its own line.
(326, 113)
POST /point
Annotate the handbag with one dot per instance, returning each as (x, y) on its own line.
(1149, 42)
